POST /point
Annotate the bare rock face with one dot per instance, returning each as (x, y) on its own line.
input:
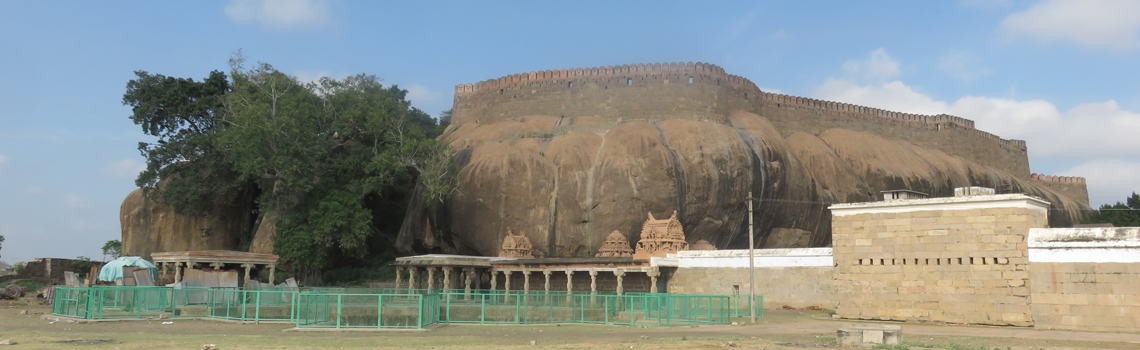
(150, 226)
(566, 183)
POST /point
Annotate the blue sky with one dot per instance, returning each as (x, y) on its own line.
(1061, 75)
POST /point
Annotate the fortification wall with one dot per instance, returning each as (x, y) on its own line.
(953, 135)
(702, 91)
(641, 91)
(1071, 186)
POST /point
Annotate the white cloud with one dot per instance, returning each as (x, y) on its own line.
(3, 159)
(879, 66)
(893, 95)
(126, 169)
(1085, 132)
(421, 95)
(1109, 181)
(76, 201)
(281, 14)
(1090, 130)
(1112, 24)
(772, 90)
(1099, 135)
(962, 65)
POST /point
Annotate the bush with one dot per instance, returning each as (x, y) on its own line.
(31, 286)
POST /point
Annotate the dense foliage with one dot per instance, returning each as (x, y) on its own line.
(326, 162)
(1125, 214)
(113, 248)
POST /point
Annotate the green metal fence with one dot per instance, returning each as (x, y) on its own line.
(342, 310)
(738, 304)
(562, 307)
(396, 308)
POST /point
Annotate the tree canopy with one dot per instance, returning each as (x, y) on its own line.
(1126, 214)
(316, 155)
(114, 248)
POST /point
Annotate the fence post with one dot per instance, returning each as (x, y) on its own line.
(338, 309)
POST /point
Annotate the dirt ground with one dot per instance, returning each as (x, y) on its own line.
(782, 329)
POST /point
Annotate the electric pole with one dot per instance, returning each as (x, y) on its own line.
(751, 264)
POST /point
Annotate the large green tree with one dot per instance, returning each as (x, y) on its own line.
(324, 161)
(1126, 214)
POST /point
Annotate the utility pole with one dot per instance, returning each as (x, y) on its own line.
(751, 264)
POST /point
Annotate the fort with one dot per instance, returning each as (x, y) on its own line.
(702, 91)
(585, 151)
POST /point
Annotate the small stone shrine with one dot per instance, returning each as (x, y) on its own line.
(660, 237)
(615, 246)
(516, 246)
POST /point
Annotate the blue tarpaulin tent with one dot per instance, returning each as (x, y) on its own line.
(114, 268)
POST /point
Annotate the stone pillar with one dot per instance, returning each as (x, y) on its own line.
(547, 273)
(494, 280)
(468, 275)
(569, 281)
(569, 286)
(272, 273)
(593, 287)
(526, 281)
(247, 267)
(620, 276)
(653, 273)
(507, 284)
(593, 281)
(411, 279)
(431, 277)
(218, 266)
(447, 277)
(399, 273)
(177, 272)
(507, 281)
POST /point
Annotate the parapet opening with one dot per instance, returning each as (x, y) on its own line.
(570, 84)
(937, 261)
(628, 81)
(690, 80)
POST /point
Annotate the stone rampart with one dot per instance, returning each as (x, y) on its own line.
(702, 91)
(1071, 186)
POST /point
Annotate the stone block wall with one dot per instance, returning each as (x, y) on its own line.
(799, 278)
(1085, 278)
(955, 260)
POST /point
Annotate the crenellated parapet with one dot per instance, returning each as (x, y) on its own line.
(1057, 179)
(612, 95)
(698, 68)
(1073, 187)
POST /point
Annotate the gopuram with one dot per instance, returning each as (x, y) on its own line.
(661, 237)
(615, 246)
(516, 247)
